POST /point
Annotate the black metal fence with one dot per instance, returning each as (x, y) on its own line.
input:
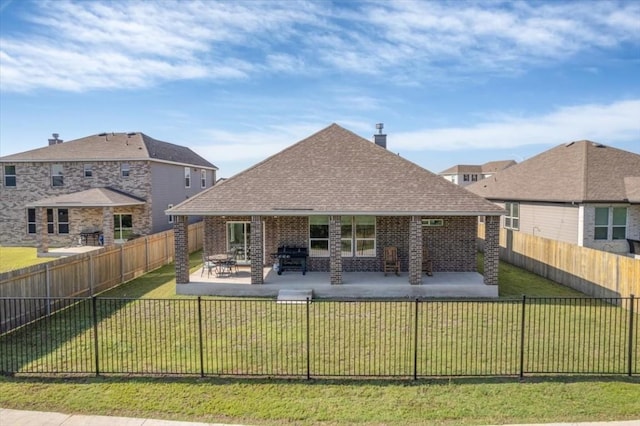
(322, 339)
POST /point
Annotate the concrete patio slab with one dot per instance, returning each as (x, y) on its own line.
(355, 285)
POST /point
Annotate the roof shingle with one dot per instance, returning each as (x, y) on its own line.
(113, 147)
(335, 171)
(582, 171)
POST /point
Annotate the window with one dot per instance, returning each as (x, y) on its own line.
(57, 176)
(610, 223)
(31, 221)
(465, 178)
(170, 206)
(512, 218)
(50, 227)
(122, 226)
(10, 176)
(319, 236)
(63, 221)
(187, 177)
(203, 178)
(88, 170)
(365, 235)
(124, 169)
(358, 236)
(474, 178)
(432, 222)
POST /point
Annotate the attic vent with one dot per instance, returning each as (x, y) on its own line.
(102, 134)
(131, 134)
(598, 145)
(569, 144)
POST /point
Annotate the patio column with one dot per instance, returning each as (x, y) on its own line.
(181, 241)
(209, 235)
(491, 249)
(415, 250)
(42, 237)
(257, 266)
(107, 226)
(335, 250)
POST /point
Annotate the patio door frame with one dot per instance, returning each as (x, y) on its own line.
(244, 261)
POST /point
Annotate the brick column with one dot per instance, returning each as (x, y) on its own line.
(107, 226)
(42, 235)
(335, 250)
(491, 249)
(257, 267)
(209, 235)
(181, 241)
(415, 250)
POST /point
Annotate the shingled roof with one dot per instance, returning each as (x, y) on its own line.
(490, 167)
(113, 147)
(94, 197)
(336, 171)
(582, 171)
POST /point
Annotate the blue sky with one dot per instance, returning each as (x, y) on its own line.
(457, 82)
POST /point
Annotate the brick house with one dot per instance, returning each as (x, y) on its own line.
(345, 199)
(582, 192)
(111, 184)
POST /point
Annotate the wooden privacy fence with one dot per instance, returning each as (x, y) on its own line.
(593, 272)
(91, 273)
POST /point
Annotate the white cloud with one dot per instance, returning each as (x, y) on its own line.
(402, 42)
(616, 122)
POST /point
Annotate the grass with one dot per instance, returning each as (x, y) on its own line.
(19, 257)
(326, 402)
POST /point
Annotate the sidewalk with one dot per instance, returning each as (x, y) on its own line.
(39, 418)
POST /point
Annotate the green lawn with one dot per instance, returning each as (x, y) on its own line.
(19, 257)
(326, 402)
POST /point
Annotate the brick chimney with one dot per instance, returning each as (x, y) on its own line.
(55, 139)
(380, 138)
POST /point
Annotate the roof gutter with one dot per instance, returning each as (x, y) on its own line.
(309, 212)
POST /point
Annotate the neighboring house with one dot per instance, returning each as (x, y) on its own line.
(583, 193)
(345, 199)
(464, 175)
(114, 184)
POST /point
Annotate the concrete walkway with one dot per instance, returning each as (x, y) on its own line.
(39, 418)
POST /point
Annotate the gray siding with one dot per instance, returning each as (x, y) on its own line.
(168, 187)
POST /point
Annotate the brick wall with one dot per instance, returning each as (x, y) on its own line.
(451, 247)
(33, 183)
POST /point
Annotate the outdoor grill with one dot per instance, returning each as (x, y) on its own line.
(291, 259)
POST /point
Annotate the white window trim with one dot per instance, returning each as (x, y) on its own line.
(187, 177)
(203, 178)
(170, 206)
(509, 217)
(353, 239)
(14, 175)
(610, 224)
(125, 170)
(60, 174)
(88, 168)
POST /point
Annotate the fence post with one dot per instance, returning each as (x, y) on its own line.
(630, 355)
(522, 328)
(308, 341)
(200, 336)
(415, 340)
(94, 303)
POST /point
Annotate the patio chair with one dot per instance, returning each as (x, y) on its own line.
(209, 265)
(232, 261)
(390, 261)
(427, 264)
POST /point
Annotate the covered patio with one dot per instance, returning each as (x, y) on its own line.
(372, 285)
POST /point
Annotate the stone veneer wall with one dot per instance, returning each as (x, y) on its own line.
(33, 183)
